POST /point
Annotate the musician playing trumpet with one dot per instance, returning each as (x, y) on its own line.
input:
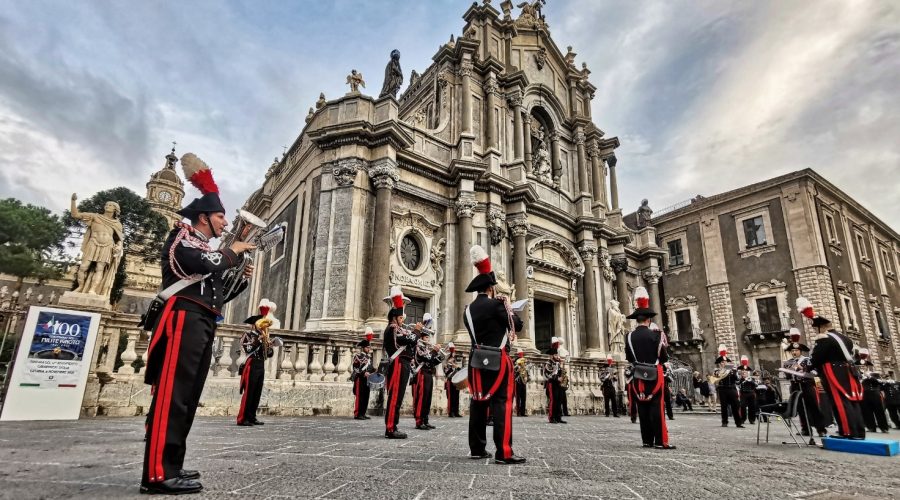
(258, 347)
(726, 380)
(400, 347)
(428, 356)
(553, 372)
(801, 364)
(453, 365)
(362, 368)
(521, 382)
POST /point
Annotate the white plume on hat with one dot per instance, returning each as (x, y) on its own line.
(426, 318)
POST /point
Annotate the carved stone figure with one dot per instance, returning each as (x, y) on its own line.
(393, 76)
(355, 80)
(542, 168)
(310, 115)
(320, 103)
(101, 249)
(616, 327)
(644, 213)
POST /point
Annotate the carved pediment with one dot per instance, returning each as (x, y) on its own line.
(772, 285)
(681, 301)
(555, 255)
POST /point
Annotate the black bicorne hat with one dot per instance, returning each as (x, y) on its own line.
(797, 345)
(641, 305)
(720, 359)
(394, 312)
(820, 321)
(552, 351)
(197, 172)
(208, 203)
(362, 343)
(482, 282)
(253, 319)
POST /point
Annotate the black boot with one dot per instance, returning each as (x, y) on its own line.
(172, 486)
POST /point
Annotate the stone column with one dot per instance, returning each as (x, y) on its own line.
(620, 266)
(652, 276)
(599, 184)
(465, 71)
(518, 228)
(583, 181)
(514, 99)
(384, 176)
(588, 252)
(613, 187)
(526, 139)
(491, 91)
(554, 157)
(465, 209)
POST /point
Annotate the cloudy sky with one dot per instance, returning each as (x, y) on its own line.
(705, 95)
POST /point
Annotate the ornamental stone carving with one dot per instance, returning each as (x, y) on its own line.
(491, 87)
(772, 285)
(465, 68)
(540, 58)
(384, 174)
(514, 99)
(497, 225)
(652, 276)
(587, 253)
(605, 267)
(619, 265)
(579, 138)
(518, 226)
(344, 170)
(465, 205)
(555, 255)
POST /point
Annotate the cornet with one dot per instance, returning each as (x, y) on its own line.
(248, 228)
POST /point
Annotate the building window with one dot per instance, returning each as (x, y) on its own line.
(886, 263)
(676, 254)
(883, 332)
(410, 252)
(683, 323)
(830, 229)
(849, 323)
(769, 318)
(754, 232)
(278, 251)
(861, 247)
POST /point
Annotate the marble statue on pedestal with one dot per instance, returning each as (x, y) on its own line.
(101, 249)
(616, 327)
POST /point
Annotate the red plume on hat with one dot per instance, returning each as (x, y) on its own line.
(451, 346)
(610, 361)
(198, 173)
(805, 308)
(723, 351)
(745, 360)
(396, 297)
(369, 333)
(264, 310)
(795, 335)
(641, 298)
(480, 259)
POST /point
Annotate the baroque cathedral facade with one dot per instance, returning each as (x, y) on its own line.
(493, 144)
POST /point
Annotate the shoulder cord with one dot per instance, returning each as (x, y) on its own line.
(184, 234)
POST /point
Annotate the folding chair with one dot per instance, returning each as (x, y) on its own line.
(784, 411)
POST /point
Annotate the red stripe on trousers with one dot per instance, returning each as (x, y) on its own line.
(550, 409)
(420, 394)
(163, 328)
(662, 422)
(245, 384)
(167, 311)
(161, 419)
(447, 386)
(507, 416)
(392, 394)
(356, 401)
(838, 402)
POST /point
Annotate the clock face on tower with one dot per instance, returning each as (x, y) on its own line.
(164, 196)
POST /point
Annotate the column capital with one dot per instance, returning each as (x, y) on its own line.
(465, 68)
(384, 173)
(345, 169)
(588, 251)
(652, 276)
(553, 135)
(514, 99)
(527, 119)
(593, 151)
(465, 205)
(619, 264)
(518, 225)
(490, 86)
(579, 137)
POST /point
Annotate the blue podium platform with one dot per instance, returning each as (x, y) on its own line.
(868, 446)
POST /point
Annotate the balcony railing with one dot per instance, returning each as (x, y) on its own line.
(783, 324)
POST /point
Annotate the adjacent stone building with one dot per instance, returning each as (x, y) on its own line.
(493, 144)
(736, 262)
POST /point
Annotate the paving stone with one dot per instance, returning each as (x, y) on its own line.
(330, 457)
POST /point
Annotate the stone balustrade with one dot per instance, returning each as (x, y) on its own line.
(308, 375)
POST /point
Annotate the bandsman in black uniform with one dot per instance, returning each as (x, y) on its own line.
(552, 376)
(892, 399)
(831, 358)
(873, 401)
(629, 390)
(399, 348)
(362, 367)
(767, 396)
(522, 378)
(809, 413)
(747, 391)
(646, 352)
(492, 325)
(726, 388)
(451, 367)
(180, 348)
(427, 357)
(608, 388)
(667, 390)
(258, 348)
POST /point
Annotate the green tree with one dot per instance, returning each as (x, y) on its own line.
(145, 230)
(30, 236)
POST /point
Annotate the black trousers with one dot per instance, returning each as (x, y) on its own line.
(873, 411)
(521, 398)
(452, 398)
(177, 366)
(609, 400)
(500, 405)
(397, 379)
(894, 412)
(361, 391)
(554, 400)
(251, 386)
(839, 381)
(749, 408)
(632, 402)
(728, 398)
(667, 399)
(809, 413)
(563, 402)
(652, 418)
(422, 396)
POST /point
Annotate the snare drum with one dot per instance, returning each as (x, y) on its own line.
(375, 381)
(460, 379)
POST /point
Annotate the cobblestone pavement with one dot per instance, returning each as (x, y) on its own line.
(328, 457)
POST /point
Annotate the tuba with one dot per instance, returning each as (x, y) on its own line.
(522, 370)
(251, 229)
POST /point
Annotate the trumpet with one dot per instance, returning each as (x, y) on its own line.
(248, 228)
(719, 374)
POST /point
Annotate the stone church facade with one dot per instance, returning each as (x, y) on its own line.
(736, 262)
(492, 144)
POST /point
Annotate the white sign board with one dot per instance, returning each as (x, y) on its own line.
(50, 374)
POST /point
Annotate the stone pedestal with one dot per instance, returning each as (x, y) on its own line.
(84, 301)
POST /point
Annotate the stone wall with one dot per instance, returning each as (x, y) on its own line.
(815, 284)
(723, 316)
(868, 325)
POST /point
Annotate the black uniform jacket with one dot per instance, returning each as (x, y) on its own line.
(491, 321)
(646, 347)
(394, 339)
(827, 350)
(206, 296)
